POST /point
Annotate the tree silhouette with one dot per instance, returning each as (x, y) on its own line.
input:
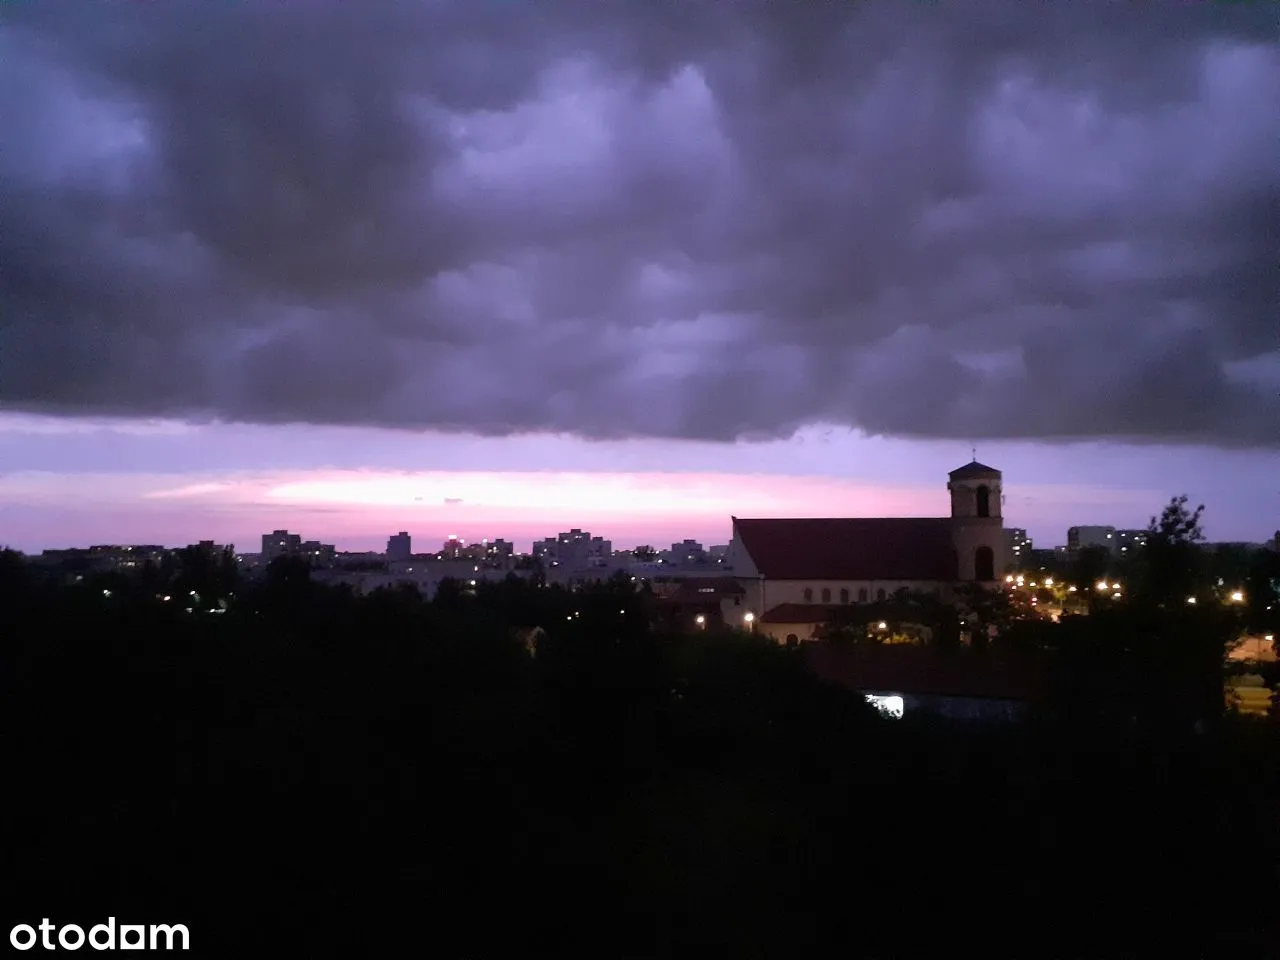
(210, 574)
(1172, 564)
(1092, 564)
(1262, 592)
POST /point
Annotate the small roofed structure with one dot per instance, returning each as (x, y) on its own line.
(959, 684)
(702, 602)
(793, 623)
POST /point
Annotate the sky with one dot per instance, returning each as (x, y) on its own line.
(499, 268)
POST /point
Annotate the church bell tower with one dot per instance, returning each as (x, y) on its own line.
(977, 526)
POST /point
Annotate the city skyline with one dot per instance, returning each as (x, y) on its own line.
(157, 482)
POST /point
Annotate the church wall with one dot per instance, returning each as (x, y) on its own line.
(738, 560)
(777, 592)
(803, 632)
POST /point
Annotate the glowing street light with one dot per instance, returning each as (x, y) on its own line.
(1191, 600)
(749, 619)
(882, 625)
(1102, 586)
(1237, 596)
(1048, 581)
(701, 621)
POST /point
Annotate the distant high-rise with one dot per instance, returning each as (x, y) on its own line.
(318, 554)
(1018, 545)
(1126, 540)
(575, 550)
(1079, 538)
(686, 552)
(400, 547)
(498, 549)
(280, 543)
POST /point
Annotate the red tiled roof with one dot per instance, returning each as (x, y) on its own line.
(908, 548)
(922, 671)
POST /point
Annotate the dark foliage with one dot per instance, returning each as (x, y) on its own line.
(313, 774)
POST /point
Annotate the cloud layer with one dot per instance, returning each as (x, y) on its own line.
(704, 220)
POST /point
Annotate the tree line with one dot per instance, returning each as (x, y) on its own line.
(318, 773)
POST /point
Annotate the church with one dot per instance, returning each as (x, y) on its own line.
(794, 570)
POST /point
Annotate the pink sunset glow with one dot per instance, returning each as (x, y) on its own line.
(359, 509)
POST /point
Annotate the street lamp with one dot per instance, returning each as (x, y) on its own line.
(1237, 596)
(700, 620)
(749, 619)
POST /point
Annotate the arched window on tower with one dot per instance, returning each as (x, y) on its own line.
(844, 594)
(826, 594)
(862, 594)
(880, 594)
(984, 564)
(984, 501)
(808, 595)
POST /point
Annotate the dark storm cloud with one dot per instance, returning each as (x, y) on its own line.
(706, 220)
